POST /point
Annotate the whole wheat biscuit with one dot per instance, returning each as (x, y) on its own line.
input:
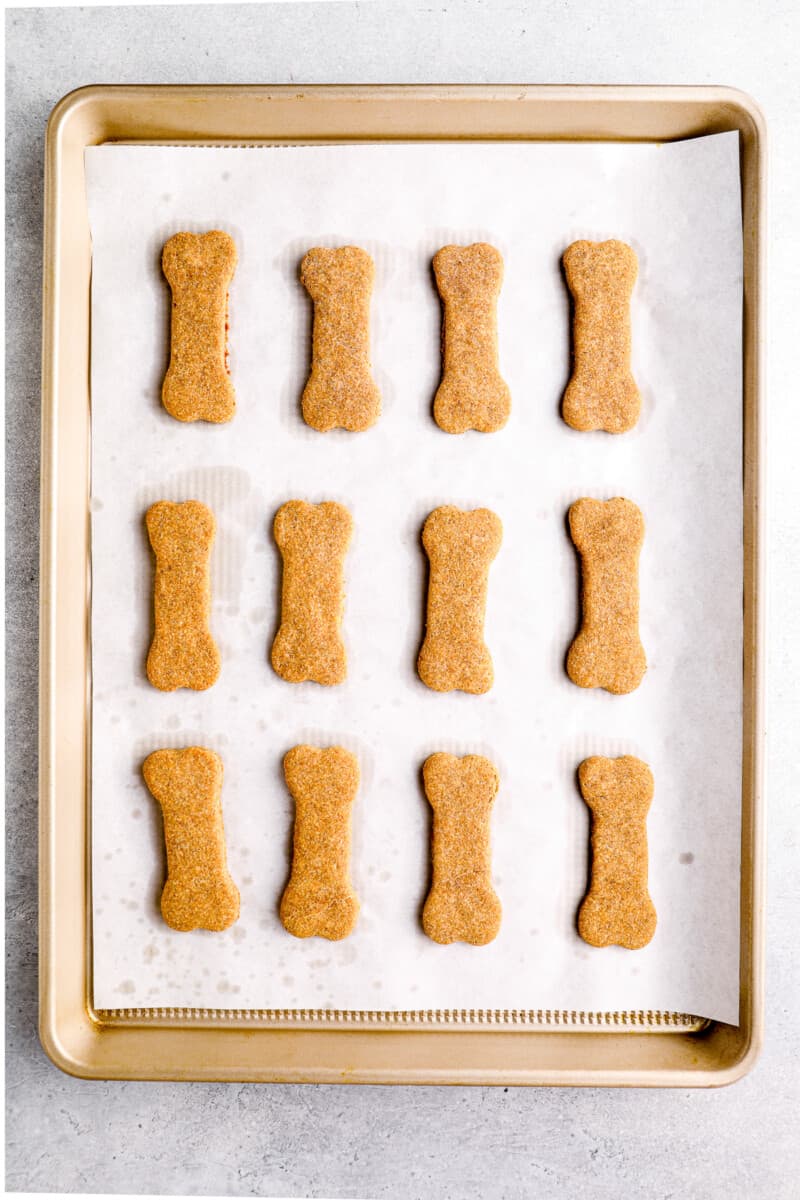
(183, 652)
(319, 900)
(607, 652)
(313, 540)
(199, 892)
(462, 905)
(199, 269)
(340, 392)
(617, 909)
(460, 547)
(602, 393)
(472, 393)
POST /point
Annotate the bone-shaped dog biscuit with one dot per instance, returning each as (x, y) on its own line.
(607, 652)
(199, 892)
(472, 393)
(340, 392)
(183, 653)
(319, 900)
(617, 909)
(313, 540)
(462, 905)
(199, 269)
(602, 393)
(460, 547)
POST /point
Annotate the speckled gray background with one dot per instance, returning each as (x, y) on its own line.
(71, 1136)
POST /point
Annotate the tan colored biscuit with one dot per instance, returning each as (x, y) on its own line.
(313, 540)
(199, 892)
(472, 393)
(183, 653)
(462, 905)
(617, 910)
(460, 547)
(199, 269)
(602, 393)
(607, 652)
(340, 392)
(319, 900)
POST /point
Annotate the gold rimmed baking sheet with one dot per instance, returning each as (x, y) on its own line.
(97, 1044)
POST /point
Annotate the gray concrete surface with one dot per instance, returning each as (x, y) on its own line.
(71, 1136)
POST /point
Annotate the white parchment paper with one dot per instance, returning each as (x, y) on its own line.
(678, 205)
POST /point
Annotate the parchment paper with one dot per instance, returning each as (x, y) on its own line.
(678, 205)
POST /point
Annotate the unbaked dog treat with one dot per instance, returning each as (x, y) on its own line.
(340, 391)
(472, 393)
(602, 393)
(460, 547)
(199, 892)
(313, 540)
(607, 652)
(462, 905)
(183, 652)
(617, 910)
(319, 900)
(199, 269)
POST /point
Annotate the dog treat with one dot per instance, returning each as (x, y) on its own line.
(199, 269)
(472, 393)
(183, 652)
(199, 892)
(319, 900)
(462, 905)
(617, 910)
(607, 652)
(313, 540)
(460, 547)
(602, 393)
(340, 391)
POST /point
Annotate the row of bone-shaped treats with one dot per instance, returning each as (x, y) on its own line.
(341, 393)
(313, 540)
(462, 904)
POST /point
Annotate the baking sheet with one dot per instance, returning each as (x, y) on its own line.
(678, 205)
